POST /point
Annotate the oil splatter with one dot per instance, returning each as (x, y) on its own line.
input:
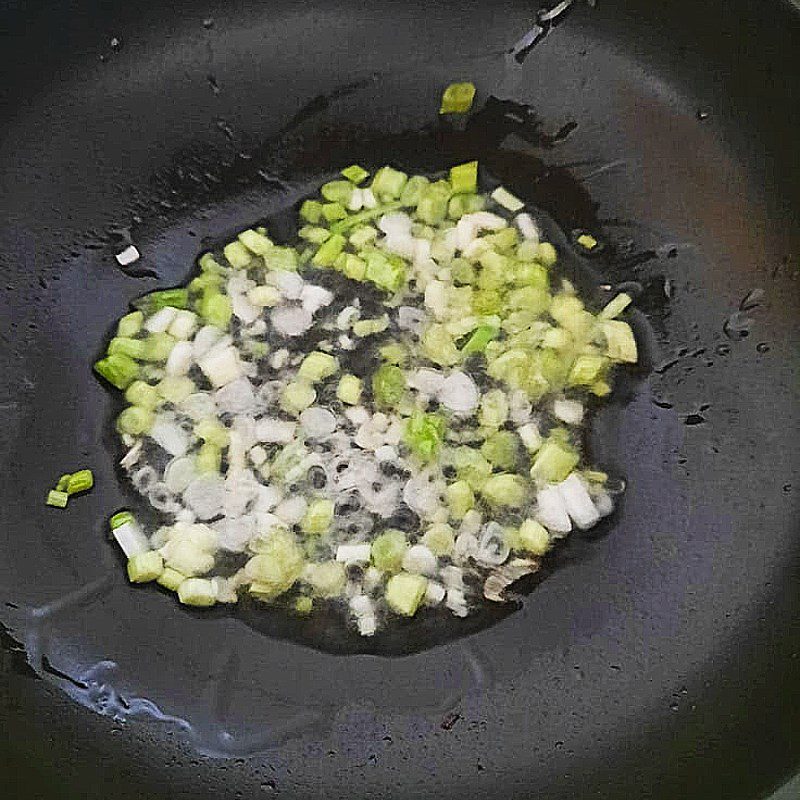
(694, 418)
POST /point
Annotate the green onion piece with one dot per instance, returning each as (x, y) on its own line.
(546, 254)
(464, 178)
(393, 353)
(327, 578)
(532, 274)
(404, 593)
(354, 267)
(362, 236)
(255, 242)
(501, 449)
(311, 211)
(276, 568)
(620, 341)
(386, 273)
(135, 421)
(349, 389)
(329, 251)
(600, 389)
(158, 346)
(197, 592)
(237, 255)
(461, 204)
(504, 240)
(176, 388)
(470, 466)
(63, 482)
(457, 98)
(134, 348)
(119, 370)
(439, 538)
(170, 579)
(145, 567)
(413, 190)
(504, 198)
(355, 173)
(460, 499)
(337, 192)
(317, 366)
(209, 458)
(462, 271)
(424, 434)
(527, 250)
(388, 550)
(565, 309)
(616, 306)
(587, 241)
(297, 396)
(57, 499)
(557, 338)
(368, 327)
(206, 281)
(313, 234)
(493, 410)
(388, 385)
(487, 302)
(217, 310)
(533, 538)
(281, 258)
(318, 517)
(388, 183)
(504, 490)
(585, 370)
(554, 461)
(211, 430)
(304, 605)
(438, 346)
(130, 324)
(363, 216)
(80, 481)
(155, 301)
(264, 296)
(480, 337)
(209, 264)
(119, 519)
(334, 211)
(433, 202)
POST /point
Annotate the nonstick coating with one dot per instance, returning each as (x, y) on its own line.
(659, 660)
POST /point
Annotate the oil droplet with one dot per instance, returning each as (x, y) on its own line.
(116, 43)
(694, 419)
(723, 349)
(762, 347)
(674, 707)
(225, 127)
(212, 82)
(208, 23)
(751, 300)
(737, 326)
(703, 114)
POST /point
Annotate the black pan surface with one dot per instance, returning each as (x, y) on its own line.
(658, 658)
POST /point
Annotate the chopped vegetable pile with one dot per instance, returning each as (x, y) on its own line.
(387, 414)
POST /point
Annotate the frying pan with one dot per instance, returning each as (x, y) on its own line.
(658, 658)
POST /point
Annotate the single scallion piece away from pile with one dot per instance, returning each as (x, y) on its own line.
(69, 484)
